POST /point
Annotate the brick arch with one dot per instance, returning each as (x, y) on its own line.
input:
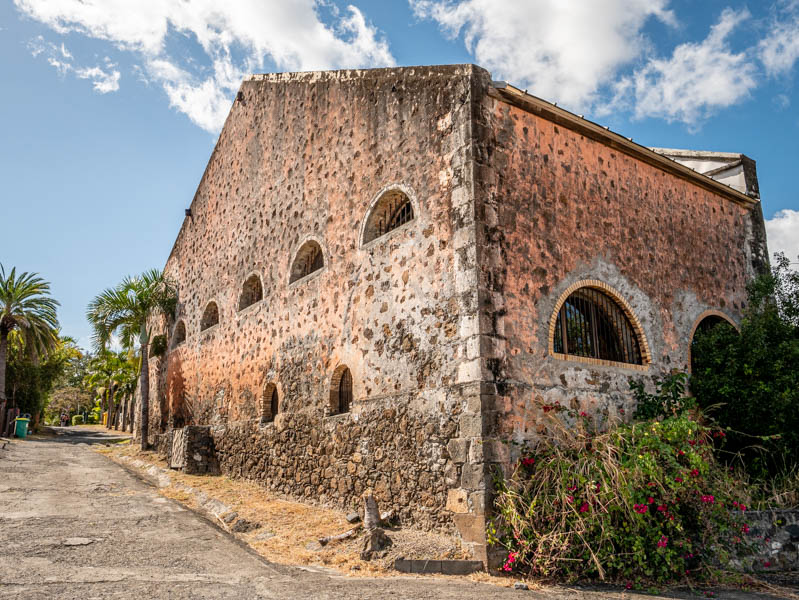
(270, 402)
(616, 296)
(367, 235)
(338, 377)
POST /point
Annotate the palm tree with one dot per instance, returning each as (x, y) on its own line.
(125, 311)
(26, 306)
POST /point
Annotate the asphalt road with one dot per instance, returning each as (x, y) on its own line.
(73, 524)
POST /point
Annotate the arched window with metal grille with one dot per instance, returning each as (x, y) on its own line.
(592, 324)
(392, 209)
(309, 258)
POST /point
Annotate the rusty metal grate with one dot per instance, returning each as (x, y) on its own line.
(591, 324)
(394, 209)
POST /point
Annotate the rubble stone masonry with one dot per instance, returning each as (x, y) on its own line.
(444, 322)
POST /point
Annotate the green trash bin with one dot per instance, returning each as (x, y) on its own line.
(21, 427)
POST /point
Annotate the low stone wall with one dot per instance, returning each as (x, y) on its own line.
(397, 447)
(775, 534)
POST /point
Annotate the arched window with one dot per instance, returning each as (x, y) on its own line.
(592, 324)
(210, 316)
(270, 404)
(341, 391)
(179, 336)
(392, 209)
(251, 292)
(309, 259)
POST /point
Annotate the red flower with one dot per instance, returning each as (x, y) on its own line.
(571, 488)
(664, 541)
(640, 508)
(680, 453)
(767, 564)
(528, 461)
(692, 442)
(745, 528)
(695, 473)
(662, 508)
(583, 413)
(569, 499)
(708, 499)
(678, 479)
(584, 507)
(742, 507)
(651, 484)
(651, 500)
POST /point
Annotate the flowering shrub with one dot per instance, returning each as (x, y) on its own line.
(642, 502)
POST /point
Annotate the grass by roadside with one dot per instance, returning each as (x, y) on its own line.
(290, 530)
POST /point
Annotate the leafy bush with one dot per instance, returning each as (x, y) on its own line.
(644, 502)
(668, 400)
(77, 419)
(749, 382)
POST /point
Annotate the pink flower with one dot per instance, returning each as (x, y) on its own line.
(528, 461)
(767, 564)
(651, 500)
(695, 473)
(569, 499)
(664, 541)
(662, 508)
(708, 499)
(584, 507)
(742, 507)
(571, 488)
(583, 413)
(678, 479)
(745, 528)
(640, 508)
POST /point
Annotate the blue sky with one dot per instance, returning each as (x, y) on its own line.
(110, 108)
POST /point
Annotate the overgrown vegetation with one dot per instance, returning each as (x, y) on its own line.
(642, 502)
(748, 382)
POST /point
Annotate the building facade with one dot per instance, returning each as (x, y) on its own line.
(387, 274)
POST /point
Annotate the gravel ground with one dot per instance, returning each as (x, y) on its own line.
(75, 525)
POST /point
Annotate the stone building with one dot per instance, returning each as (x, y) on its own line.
(386, 275)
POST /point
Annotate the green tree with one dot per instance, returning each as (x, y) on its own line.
(749, 381)
(125, 311)
(27, 307)
(31, 380)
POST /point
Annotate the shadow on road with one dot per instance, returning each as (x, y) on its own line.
(80, 435)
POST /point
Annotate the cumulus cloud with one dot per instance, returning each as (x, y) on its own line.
(782, 231)
(696, 80)
(236, 38)
(563, 51)
(779, 50)
(103, 80)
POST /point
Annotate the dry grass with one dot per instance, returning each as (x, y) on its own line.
(297, 526)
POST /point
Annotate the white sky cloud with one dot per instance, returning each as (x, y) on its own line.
(562, 51)
(697, 79)
(103, 80)
(290, 34)
(779, 49)
(782, 232)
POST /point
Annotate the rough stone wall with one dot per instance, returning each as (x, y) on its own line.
(556, 208)
(396, 447)
(301, 157)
